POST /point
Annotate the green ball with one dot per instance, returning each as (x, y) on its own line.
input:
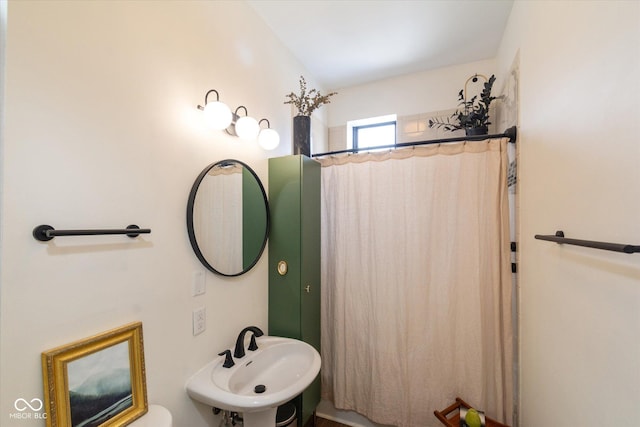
(472, 418)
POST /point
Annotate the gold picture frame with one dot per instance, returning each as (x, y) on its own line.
(98, 381)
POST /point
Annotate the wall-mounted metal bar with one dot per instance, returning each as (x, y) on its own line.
(44, 233)
(616, 247)
(510, 133)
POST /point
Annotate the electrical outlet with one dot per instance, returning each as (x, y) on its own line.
(198, 283)
(199, 320)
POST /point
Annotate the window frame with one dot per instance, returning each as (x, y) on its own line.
(356, 128)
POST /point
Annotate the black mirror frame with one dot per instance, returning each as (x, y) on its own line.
(191, 203)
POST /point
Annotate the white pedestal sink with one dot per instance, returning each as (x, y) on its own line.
(279, 370)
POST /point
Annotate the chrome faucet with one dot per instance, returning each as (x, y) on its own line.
(239, 350)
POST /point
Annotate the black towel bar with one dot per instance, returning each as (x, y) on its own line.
(616, 247)
(45, 233)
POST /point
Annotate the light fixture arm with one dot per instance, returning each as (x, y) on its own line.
(265, 120)
(235, 113)
(208, 93)
(206, 99)
(231, 130)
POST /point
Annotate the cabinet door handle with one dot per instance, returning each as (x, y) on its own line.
(307, 288)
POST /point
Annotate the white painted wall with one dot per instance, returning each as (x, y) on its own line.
(101, 130)
(412, 94)
(413, 98)
(579, 171)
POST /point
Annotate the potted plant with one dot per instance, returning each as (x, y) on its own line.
(473, 117)
(306, 102)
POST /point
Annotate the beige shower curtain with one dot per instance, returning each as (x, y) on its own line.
(416, 282)
(220, 223)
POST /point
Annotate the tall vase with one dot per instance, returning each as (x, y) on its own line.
(302, 135)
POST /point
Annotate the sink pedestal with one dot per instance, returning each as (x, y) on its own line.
(266, 418)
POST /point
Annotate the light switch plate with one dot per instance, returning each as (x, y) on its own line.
(198, 283)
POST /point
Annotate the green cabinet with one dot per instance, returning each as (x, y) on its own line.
(294, 238)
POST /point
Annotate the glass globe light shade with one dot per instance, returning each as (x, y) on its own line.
(247, 128)
(268, 139)
(217, 115)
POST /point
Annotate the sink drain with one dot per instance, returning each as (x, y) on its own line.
(260, 388)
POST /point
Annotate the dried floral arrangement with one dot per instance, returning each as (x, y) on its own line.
(307, 102)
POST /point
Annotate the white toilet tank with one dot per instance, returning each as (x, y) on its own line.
(156, 416)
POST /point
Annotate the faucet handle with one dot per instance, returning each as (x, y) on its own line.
(228, 360)
(253, 346)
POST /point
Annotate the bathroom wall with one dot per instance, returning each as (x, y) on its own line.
(578, 171)
(101, 130)
(431, 90)
(415, 98)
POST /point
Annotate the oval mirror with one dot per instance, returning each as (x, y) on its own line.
(228, 217)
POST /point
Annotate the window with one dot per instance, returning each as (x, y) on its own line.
(373, 132)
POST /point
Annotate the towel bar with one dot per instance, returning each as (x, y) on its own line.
(616, 247)
(44, 233)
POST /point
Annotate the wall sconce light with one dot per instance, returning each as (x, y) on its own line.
(268, 138)
(216, 114)
(245, 127)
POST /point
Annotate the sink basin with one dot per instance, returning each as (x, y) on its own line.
(280, 369)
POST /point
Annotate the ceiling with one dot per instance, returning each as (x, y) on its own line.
(349, 42)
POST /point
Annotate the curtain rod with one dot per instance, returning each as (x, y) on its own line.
(510, 133)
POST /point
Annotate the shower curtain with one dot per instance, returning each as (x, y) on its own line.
(220, 223)
(416, 282)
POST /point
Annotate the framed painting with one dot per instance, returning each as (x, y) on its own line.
(98, 381)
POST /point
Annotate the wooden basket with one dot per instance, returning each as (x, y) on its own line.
(450, 416)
